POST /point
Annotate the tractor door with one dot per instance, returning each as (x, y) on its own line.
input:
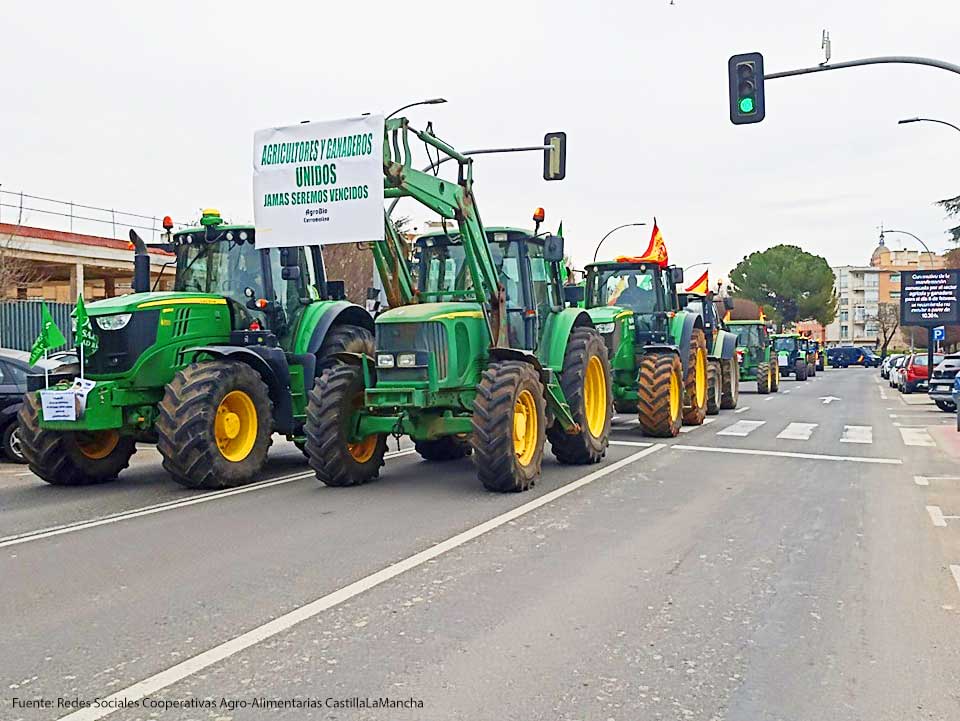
(295, 283)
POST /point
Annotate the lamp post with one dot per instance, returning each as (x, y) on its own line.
(905, 121)
(706, 262)
(431, 101)
(611, 232)
(905, 232)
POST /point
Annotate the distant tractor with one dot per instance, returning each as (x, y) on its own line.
(658, 351)
(723, 381)
(758, 361)
(792, 356)
(208, 372)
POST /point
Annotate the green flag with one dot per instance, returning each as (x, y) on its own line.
(560, 229)
(50, 335)
(86, 338)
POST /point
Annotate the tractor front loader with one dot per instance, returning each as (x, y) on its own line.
(208, 371)
(479, 355)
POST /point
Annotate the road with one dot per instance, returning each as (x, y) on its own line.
(794, 560)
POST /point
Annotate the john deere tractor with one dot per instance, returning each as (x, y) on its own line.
(723, 372)
(479, 355)
(208, 371)
(658, 351)
(758, 361)
(793, 356)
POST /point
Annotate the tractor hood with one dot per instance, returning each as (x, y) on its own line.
(147, 301)
(425, 312)
(607, 313)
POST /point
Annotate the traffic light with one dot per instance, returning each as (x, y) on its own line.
(555, 156)
(746, 88)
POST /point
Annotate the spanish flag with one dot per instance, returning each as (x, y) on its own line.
(701, 284)
(656, 252)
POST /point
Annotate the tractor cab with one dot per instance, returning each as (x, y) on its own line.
(646, 290)
(791, 350)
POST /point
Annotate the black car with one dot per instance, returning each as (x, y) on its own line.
(14, 367)
(848, 355)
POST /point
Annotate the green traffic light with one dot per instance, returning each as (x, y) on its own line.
(746, 105)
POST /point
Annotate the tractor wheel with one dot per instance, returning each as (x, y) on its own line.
(344, 339)
(800, 371)
(587, 386)
(775, 382)
(714, 388)
(764, 378)
(661, 394)
(215, 425)
(71, 458)
(695, 382)
(811, 370)
(731, 385)
(509, 426)
(448, 448)
(335, 397)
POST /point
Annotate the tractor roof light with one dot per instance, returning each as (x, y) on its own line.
(167, 223)
(538, 215)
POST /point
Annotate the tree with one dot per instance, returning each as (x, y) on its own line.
(888, 321)
(952, 207)
(793, 284)
(16, 273)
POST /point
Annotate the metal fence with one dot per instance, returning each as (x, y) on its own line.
(20, 322)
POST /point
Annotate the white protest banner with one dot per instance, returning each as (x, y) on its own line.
(58, 405)
(319, 183)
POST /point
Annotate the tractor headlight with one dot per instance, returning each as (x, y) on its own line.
(384, 360)
(113, 322)
(407, 360)
(604, 328)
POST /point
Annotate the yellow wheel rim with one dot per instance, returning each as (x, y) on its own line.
(595, 397)
(769, 377)
(363, 451)
(97, 444)
(674, 397)
(235, 426)
(525, 428)
(701, 378)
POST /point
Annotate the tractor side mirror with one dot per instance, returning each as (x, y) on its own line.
(728, 302)
(573, 294)
(555, 156)
(336, 290)
(373, 300)
(676, 274)
(553, 249)
(684, 299)
(289, 258)
(290, 272)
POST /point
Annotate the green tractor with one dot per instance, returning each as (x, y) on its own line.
(793, 357)
(658, 351)
(208, 371)
(758, 361)
(723, 370)
(477, 355)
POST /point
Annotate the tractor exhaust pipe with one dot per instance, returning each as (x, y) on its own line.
(141, 264)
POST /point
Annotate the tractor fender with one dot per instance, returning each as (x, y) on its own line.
(728, 345)
(271, 365)
(553, 346)
(660, 348)
(338, 313)
(513, 354)
(690, 321)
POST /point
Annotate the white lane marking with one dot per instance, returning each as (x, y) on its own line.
(857, 434)
(706, 422)
(921, 480)
(741, 429)
(917, 437)
(628, 422)
(797, 432)
(632, 444)
(936, 516)
(184, 669)
(742, 410)
(955, 570)
(925, 480)
(883, 394)
(827, 400)
(788, 454)
(768, 398)
(787, 391)
(160, 507)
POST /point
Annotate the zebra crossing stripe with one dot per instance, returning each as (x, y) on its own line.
(916, 437)
(857, 434)
(797, 432)
(741, 428)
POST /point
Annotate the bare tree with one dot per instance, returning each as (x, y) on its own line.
(16, 273)
(888, 321)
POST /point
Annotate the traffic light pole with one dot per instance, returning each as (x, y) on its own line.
(903, 59)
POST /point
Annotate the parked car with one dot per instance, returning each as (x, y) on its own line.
(887, 364)
(849, 355)
(941, 384)
(955, 394)
(893, 377)
(914, 374)
(14, 367)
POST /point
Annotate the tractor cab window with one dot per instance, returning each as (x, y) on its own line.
(292, 295)
(751, 336)
(443, 269)
(632, 288)
(787, 344)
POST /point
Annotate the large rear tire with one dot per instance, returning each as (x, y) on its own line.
(714, 387)
(333, 401)
(660, 383)
(800, 370)
(730, 396)
(775, 370)
(448, 448)
(695, 382)
(71, 458)
(764, 378)
(215, 425)
(509, 426)
(811, 370)
(587, 385)
(344, 339)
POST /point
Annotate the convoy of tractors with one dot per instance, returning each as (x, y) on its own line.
(485, 349)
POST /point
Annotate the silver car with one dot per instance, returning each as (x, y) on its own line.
(941, 384)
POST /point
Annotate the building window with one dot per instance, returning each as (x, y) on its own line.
(844, 315)
(844, 332)
(871, 280)
(894, 277)
(872, 328)
(871, 295)
(894, 294)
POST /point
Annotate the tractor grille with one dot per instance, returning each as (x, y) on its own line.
(428, 338)
(119, 349)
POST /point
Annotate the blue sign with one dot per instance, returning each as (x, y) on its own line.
(939, 333)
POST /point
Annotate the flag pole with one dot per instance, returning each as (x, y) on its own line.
(46, 370)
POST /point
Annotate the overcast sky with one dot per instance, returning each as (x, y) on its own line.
(154, 110)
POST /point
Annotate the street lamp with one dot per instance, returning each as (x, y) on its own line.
(611, 232)
(927, 120)
(706, 262)
(431, 101)
(929, 252)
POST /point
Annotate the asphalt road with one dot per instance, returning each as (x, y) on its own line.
(798, 559)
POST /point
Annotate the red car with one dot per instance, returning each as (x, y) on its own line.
(915, 373)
